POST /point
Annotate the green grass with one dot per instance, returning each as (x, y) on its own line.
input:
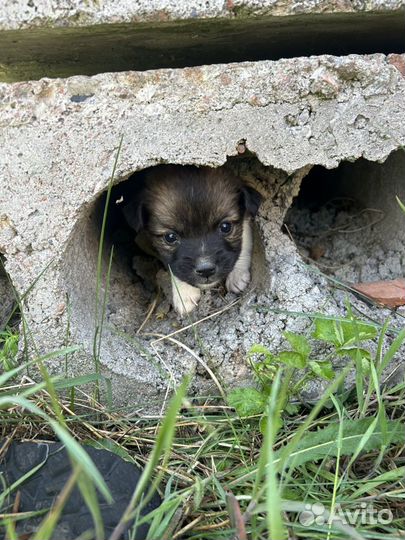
(222, 476)
(8, 349)
(264, 468)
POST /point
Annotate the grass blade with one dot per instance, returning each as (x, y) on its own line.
(358, 435)
(161, 448)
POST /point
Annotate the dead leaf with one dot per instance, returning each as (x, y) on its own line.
(389, 293)
(236, 517)
(316, 252)
(17, 501)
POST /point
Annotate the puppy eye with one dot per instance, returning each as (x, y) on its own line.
(171, 237)
(225, 227)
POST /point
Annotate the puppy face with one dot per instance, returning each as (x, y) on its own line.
(194, 218)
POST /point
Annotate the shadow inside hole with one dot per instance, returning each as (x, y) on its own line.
(347, 220)
(63, 52)
(133, 284)
(9, 312)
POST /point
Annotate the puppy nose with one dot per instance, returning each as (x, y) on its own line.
(205, 268)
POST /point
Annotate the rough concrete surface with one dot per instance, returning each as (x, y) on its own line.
(18, 14)
(59, 139)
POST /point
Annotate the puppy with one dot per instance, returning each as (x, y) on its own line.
(198, 221)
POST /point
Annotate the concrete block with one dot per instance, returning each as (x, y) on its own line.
(59, 138)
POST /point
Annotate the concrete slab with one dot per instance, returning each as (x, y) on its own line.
(59, 138)
(19, 14)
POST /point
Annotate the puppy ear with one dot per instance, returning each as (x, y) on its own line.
(251, 200)
(135, 214)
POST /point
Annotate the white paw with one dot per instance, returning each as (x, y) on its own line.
(237, 280)
(185, 297)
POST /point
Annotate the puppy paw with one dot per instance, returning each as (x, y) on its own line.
(237, 281)
(185, 297)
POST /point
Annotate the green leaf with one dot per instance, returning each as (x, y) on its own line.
(291, 493)
(322, 369)
(164, 520)
(326, 330)
(260, 349)
(299, 343)
(352, 352)
(199, 489)
(4, 377)
(291, 358)
(8, 349)
(292, 409)
(111, 446)
(275, 522)
(393, 349)
(343, 332)
(263, 424)
(354, 330)
(322, 443)
(247, 401)
(160, 453)
(365, 366)
(63, 383)
(393, 476)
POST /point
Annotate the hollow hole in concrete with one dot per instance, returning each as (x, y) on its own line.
(149, 278)
(347, 220)
(134, 290)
